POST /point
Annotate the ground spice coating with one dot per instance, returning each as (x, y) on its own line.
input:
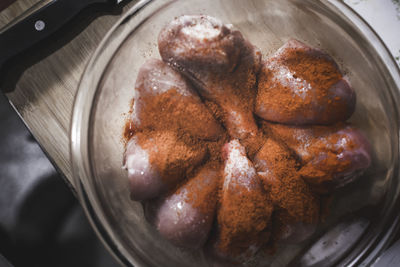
(178, 113)
(202, 191)
(245, 210)
(129, 127)
(303, 85)
(331, 156)
(243, 222)
(206, 120)
(291, 196)
(329, 165)
(165, 100)
(173, 158)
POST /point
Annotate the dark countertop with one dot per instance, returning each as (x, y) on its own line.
(41, 222)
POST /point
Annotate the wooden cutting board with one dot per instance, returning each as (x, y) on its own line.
(5, 3)
(41, 83)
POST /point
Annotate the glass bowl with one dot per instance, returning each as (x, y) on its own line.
(364, 216)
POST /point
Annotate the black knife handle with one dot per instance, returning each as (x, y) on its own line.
(39, 25)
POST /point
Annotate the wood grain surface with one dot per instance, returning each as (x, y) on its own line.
(5, 3)
(14, 9)
(42, 82)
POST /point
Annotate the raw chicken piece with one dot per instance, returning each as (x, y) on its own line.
(297, 210)
(185, 217)
(332, 156)
(157, 161)
(222, 65)
(302, 85)
(244, 213)
(165, 99)
(193, 42)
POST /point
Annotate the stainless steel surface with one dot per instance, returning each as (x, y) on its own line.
(364, 216)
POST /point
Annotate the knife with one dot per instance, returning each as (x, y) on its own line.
(39, 22)
(5, 3)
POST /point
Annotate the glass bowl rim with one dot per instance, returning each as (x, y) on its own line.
(81, 114)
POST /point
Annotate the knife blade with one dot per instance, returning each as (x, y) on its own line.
(5, 3)
(39, 22)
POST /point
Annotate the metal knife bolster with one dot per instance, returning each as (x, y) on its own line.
(38, 22)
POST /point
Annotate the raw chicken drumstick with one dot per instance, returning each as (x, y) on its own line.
(270, 187)
(222, 65)
(331, 156)
(302, 85)
(186, 216)
(157, 162)
(163, 98)
(297, 211)
(165, 108)
(245, 211)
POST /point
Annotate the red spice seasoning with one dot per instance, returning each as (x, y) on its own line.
(174, 159)
(185, 115)
(202, 189)
(318, 149)
(245, 210)
(300, 85)
(323, 173)
(129, 128)
(279, 197)
(291, 196)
